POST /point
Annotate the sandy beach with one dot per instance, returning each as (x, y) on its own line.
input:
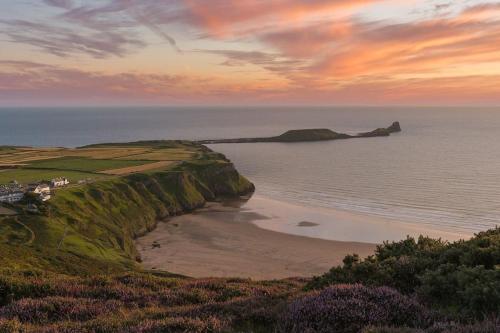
(220, 240)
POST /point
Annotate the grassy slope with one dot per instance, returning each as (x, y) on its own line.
(99, 221)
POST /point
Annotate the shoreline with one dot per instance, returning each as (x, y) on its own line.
(339, 224)
(260, 238)
(221, 240)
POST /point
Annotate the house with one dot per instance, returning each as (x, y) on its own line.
(42, 189)
(11, 196)
(58, 182)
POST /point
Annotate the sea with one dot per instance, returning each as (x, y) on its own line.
(440, 176)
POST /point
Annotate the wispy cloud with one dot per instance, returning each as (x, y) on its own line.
(63, 42)
(124, 13)
(66, 4)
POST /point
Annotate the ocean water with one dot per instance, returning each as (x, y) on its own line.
(442, 172)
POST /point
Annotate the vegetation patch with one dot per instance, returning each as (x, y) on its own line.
(85, 164)
(460, 278)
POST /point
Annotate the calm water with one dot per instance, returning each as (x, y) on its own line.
(442, 171)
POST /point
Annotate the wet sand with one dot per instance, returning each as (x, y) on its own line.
(221, 241)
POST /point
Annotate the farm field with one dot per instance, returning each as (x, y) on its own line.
(26, 164)
(84, 164)
(25, 176)
(162, 155)
(139, 168)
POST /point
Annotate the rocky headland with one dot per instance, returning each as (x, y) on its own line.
(313, 134)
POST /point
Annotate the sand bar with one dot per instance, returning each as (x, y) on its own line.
(221, 241)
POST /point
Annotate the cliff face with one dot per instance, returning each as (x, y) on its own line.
(92, 228)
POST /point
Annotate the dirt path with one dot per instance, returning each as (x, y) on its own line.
(32, 238)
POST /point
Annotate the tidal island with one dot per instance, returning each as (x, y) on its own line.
(313, 134)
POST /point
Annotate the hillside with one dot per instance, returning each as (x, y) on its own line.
(91, 227)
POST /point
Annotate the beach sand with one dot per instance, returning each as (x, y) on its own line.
(220, 240)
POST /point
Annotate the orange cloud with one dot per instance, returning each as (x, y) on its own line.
(222, 18)
(349, 50)
(39, 83)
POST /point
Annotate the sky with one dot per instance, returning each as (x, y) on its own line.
(258, 52)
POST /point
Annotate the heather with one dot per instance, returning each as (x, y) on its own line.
(138, 302)
(349, 308)
(486, 326)
(461, 279)
(34, 301)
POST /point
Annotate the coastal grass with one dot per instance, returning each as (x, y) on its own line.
(12, 232)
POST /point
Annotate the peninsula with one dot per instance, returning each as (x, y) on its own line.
(313, 134)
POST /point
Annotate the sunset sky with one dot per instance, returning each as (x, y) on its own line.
(261, 52)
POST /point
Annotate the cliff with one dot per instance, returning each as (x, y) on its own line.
(91, 228)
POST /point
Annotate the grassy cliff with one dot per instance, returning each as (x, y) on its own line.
(91, 228)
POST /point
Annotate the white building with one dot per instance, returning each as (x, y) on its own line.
(11, 196)
(58, 182)
(43, 190)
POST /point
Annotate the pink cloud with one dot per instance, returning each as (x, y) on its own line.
(222, 18)
(39, 84)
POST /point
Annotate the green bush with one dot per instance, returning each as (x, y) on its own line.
(462, 278)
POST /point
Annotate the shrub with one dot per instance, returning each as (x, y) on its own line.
(488, 326)
(10, 326)
(349, 308)
(461, 278)
(174, 325)
(56, 309)
(470, 292)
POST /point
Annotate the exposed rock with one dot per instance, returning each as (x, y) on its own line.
(395, 127)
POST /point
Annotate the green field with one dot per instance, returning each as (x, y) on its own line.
(84, 164)
(25, 176)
